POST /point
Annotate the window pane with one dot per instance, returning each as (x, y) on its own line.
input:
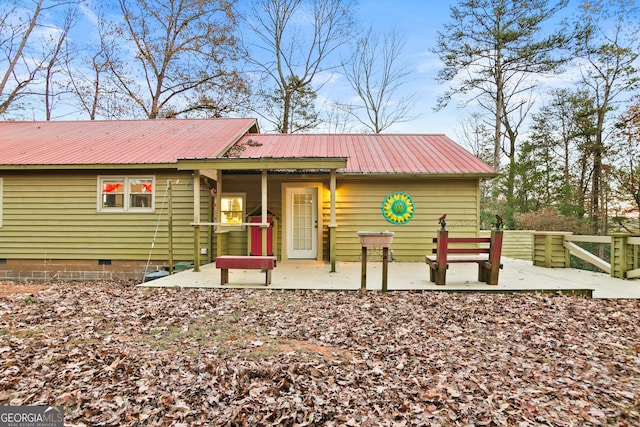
(231, 209)
(112, 186)
(140, 201)
(140, 190)
(112, 200)
(113, 193)
(137, 186)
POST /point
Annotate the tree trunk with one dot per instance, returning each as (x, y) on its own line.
(286, 111)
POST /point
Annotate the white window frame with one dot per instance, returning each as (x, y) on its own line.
(234, 226)
(127, 193)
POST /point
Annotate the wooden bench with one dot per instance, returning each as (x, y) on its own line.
(488, 259)
(227, 262)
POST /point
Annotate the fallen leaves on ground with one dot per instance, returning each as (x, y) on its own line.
(117, 354)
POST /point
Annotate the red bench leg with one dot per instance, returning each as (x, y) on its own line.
(494, 257)
(441, 275)
(492, 274)
(224, 276)
(482, 272)
(268, 277)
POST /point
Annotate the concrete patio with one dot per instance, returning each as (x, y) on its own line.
(517, 276)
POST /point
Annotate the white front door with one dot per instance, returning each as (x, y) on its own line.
(302, 222)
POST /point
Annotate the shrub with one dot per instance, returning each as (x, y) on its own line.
(549, 219)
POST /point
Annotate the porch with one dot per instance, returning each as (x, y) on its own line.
(517, 276)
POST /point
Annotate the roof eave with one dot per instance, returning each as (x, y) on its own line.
(450, 175)
(91, 166)
(263, 163)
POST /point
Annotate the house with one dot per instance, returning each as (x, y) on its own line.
(114, 199)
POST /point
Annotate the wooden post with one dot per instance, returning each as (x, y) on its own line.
(494, 257)
(623, 256)
(549, 250)
(218, 215)
(264, 215)
(196, 220)
(441, 259)
(170, 226)
(332, 221)
(363, 279)
(210, 229)
(385, 267)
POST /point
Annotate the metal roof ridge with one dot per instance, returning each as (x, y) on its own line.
(162, 119)
(375, 135)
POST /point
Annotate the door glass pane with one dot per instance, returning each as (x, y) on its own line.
(302, 221)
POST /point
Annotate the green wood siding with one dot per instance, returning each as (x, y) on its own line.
(359, 208)
(53, 215)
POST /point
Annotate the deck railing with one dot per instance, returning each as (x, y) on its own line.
(554, 250)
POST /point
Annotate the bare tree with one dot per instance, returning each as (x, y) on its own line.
(376, 75)
(87, 85)
(289, 57)
(93, 87)
(54, 65)
(31, 58)
(180, 46)
(337, 118)
(15, 34)
(475, 133)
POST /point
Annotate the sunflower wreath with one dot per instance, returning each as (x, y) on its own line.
(398, 207)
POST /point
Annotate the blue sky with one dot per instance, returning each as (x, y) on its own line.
(418, 22)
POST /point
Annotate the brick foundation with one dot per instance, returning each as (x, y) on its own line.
(83, 270)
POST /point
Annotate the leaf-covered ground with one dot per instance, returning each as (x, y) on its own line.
(116, 354)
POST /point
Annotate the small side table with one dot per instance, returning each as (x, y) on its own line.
(375, 239)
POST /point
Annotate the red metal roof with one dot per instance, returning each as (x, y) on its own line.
(117, 142)
(167, 141)
(369, 153)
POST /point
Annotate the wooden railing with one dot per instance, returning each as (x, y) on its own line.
(554, 250)
(584, 254)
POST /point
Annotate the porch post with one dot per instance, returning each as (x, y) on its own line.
(196, 220)
(549, 250)
(264, 214)
(332, 221)
(218, 215)
(170, 226)
(623, 256)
